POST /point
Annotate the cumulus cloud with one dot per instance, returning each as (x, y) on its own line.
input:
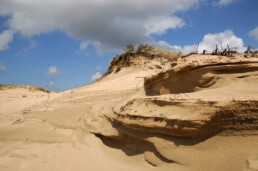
(2, 67)
(210, 41)
(51, 84)
(108, 24)
(96, 76)
(5, 38)
(52, 71)
(224, 2)
(254, 33)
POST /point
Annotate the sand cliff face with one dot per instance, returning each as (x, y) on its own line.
(150, 111)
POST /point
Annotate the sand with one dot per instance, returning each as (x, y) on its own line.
(198, 113)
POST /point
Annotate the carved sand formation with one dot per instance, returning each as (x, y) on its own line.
(150, 111)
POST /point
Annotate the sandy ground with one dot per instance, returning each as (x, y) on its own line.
(138, 119)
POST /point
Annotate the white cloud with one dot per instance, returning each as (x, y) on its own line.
(98, 68)
(96, 76)
(224, 2)
(166, 45)
(161, 25)
(108, 24)
(227, 37)
(51, 84)
(52, 71)
(254, 33)
(83, 46)
(2, 67)
(5, 38)
(210, 41)
(33, 45)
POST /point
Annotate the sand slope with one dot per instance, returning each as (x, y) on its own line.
(200, 113)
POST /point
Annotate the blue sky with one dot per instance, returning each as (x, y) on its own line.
(65, 44)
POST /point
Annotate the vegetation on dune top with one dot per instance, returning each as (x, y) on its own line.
(143, 48)
(141, 51)
(133, 53)
(29, 87)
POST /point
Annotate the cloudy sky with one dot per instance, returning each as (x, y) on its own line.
(64, 44)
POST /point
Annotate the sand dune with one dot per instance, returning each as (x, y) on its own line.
(149, 112)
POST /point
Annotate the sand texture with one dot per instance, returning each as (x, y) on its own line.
(148, 112)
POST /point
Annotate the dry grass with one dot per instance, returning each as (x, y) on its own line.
(169, 53)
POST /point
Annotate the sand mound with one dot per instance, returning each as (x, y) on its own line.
(156, 58)
(149, 112)
(28, 87)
